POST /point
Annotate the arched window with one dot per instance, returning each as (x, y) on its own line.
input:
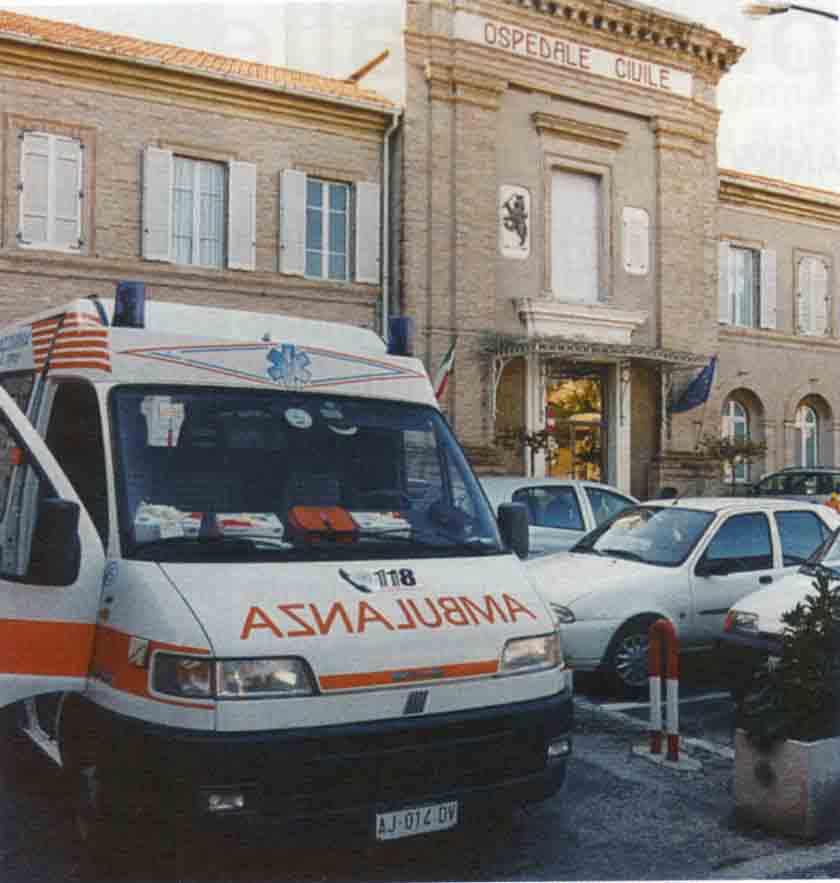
(807, 436)
(735, 424)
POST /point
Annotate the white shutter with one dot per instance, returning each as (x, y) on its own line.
(367, 232)
(33, 223)
(67, 195)
(819, 294)
(242, 215)
(293, 222)
(157, 204)
(804, 313)
(724, 284)
(767, 288)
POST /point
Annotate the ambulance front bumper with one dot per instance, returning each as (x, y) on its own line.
(342, 776)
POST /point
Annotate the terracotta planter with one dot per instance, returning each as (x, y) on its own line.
(793, 788)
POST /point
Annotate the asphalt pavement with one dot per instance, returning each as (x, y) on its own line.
(620, 816)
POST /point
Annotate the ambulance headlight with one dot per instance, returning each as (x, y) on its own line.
(531, 654)
(263, 677)
(182, 675)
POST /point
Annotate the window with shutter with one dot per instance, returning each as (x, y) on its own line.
(812, 295)
(575, 236)
(50, 186)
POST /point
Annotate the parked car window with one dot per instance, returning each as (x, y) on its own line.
(605, 504)
(744, 540)
(551, 506)
(662, 536)
(800, 533)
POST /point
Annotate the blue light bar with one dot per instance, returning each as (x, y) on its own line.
(401, 336)
(130, 305)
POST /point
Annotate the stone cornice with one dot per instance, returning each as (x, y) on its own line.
(767, 338)
(460, 84)
(635, 28)
(776, 197)
(575, 130)
(158, 82)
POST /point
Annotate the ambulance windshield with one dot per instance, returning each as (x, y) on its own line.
(208, 474)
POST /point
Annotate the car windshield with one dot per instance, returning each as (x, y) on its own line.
(659, 535)
(210, 474)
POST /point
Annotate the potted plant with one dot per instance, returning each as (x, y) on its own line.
(787, 747)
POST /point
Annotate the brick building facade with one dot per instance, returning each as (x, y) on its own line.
(212, 180)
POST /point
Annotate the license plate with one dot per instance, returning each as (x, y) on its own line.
(416, 820)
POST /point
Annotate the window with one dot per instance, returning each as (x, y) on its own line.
(743, 540)
(806, 429)
(50, 192)
(812, 296)
(329, 229)
(551, 507)
(605, 504)
(327, 213)
(747, 286)
(74, 436)
(25, 544)
(575, 236)
(800, 533)
(735, 425)
(198, 212)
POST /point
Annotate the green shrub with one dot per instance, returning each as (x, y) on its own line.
(795, 699)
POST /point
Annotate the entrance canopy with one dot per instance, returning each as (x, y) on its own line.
(501, 348)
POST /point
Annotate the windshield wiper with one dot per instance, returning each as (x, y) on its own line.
(242, 542)
(623, 553)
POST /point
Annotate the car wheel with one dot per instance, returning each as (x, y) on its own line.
(626, 666)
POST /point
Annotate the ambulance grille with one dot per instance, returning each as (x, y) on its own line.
(405, 764)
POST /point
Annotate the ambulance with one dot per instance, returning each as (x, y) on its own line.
(249, 577)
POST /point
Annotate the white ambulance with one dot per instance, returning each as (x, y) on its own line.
(248, 574)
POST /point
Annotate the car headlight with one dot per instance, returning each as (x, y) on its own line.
(189, 676)
(562, 614)
(264, 677)
(741, 621)
(531, 654)
(182, 675)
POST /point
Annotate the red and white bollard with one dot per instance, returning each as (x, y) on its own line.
(663, 630)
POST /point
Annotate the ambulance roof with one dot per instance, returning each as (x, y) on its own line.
(219, 323)
(184, 344)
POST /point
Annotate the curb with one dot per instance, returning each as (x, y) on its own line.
(686, 742)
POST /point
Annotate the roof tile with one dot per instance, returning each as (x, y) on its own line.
(72, 36)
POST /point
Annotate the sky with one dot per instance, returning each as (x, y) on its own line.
(779, 104)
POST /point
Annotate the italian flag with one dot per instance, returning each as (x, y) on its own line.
(445, 369)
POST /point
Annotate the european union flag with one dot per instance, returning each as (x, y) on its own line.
(697, 391)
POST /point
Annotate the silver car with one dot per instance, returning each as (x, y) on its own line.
(810, 485)
(560, 511)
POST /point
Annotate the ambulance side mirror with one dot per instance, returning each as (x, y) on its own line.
(513, 526)
(56, 549)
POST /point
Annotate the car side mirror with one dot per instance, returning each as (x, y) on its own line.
(513, 526)
(56, 550)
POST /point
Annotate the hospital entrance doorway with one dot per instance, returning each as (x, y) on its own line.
(576, 417)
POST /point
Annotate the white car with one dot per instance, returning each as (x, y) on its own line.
(688, 561)
(560, 511)
(753, 631)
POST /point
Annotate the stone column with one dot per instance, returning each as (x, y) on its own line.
(620, 382)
